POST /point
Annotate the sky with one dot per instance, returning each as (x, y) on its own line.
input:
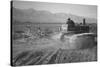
(76, 9)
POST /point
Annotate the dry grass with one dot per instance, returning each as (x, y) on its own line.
(52, 57)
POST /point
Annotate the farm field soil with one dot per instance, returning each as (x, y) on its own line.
(48, 51)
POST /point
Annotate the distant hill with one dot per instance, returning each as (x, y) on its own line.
(32, 15)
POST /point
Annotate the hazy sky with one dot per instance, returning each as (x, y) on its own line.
(80, 10)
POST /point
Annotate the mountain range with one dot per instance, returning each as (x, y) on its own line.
(32, 15)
